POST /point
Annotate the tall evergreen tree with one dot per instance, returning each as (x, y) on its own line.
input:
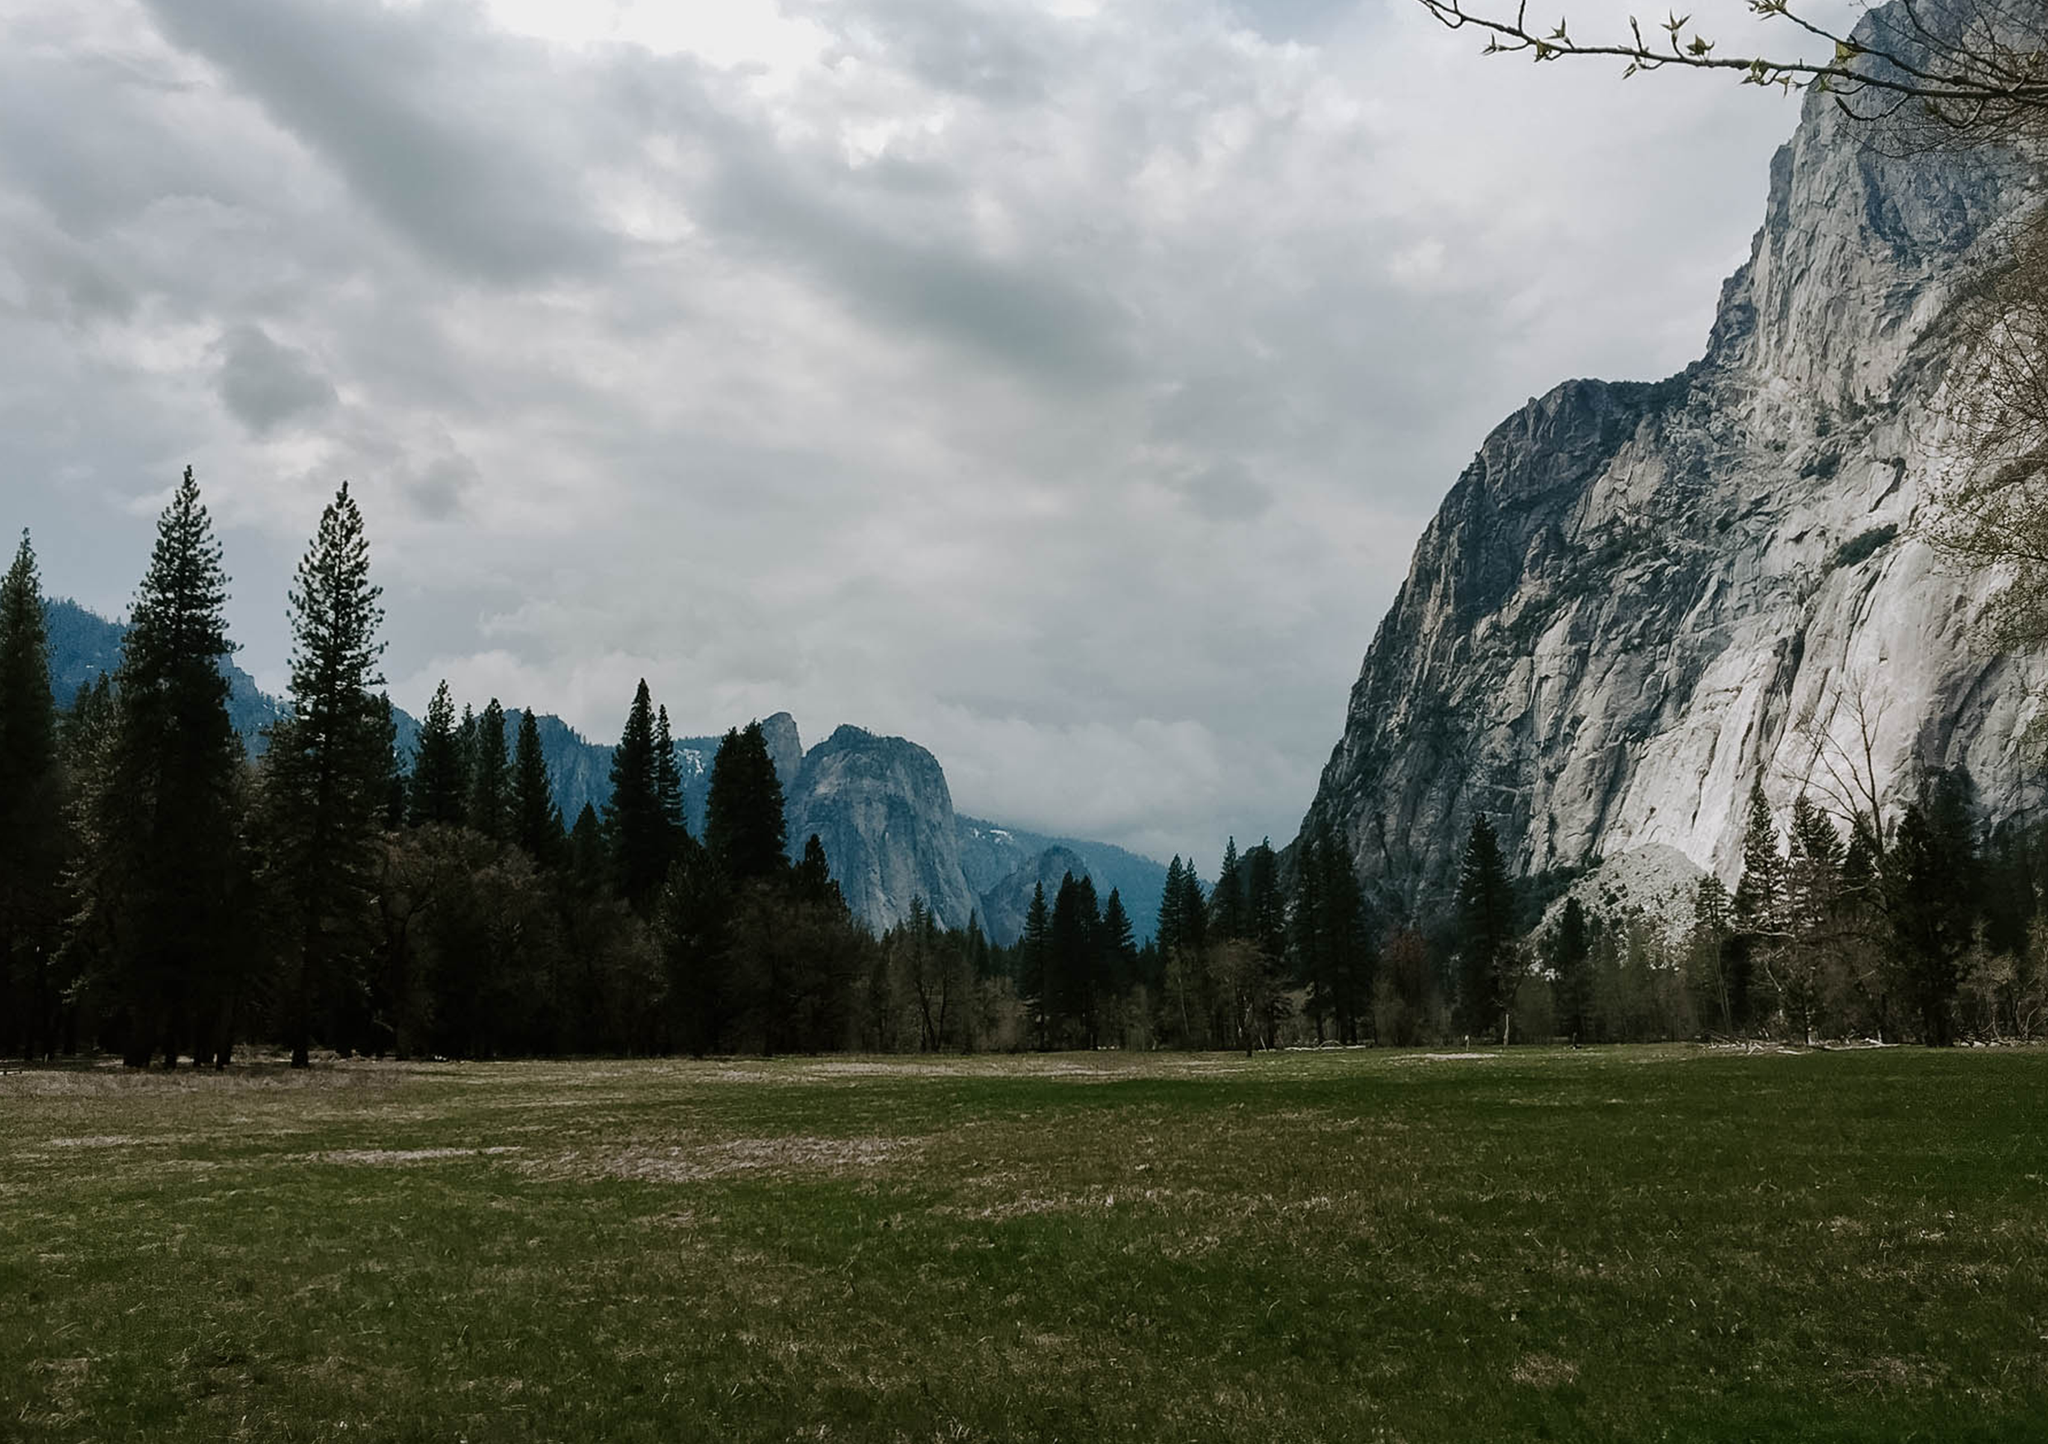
(813, 877)
(1486, 916)
(639, 832)
(1308, 940)
(1265, 905)
(668, 782)
(1932, 872)
(439, 784)
(394, 767)
(490, 769)
(1712, 955)
(1168, 934)
(536, 822)
(1072, 984)
(1571, 952)
(1119, 947)
(1193, 908)
(1813, 914)
(697, 933)
(465, 748)
(1760, 894)
(1035, 966)
(1331, 943)
(1347, 931)
(165, 815)
(1228, 912)
(324, 775)
(33, 833)
(589, 862)
(1761, 931)
(743, 820)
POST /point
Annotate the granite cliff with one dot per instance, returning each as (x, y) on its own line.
(882, 809)
(1639, 598)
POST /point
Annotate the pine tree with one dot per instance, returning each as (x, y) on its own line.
(1119, 948)
(1348, 935)
(1571, 948)
(1932, 877)
(1760, 895)
(1713, 953)
(1265, 905)
(465, 749)
(324, 775)
(1035, 964)
(1308, 941)
(589, 863)
(1813, 908)
(536, 822)
(1227, 906)
(696, 929)
(1072, 980)
(165, 813)
(489, 774)
(438, 774)
(633, 815)
(812, 880)
(743, 821)
(1331, 944)
(1187, 990)
(1759, 909)
(1193, 909)
(1487, 931)
(1167, 936)
(33, 834)
(394, 767)
(668, 784)
(980, 956)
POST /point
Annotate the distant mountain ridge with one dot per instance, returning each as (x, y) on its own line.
(880, 805)
(84, 645)
(991, 853)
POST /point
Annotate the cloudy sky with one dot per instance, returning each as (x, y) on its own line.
(1059, 383)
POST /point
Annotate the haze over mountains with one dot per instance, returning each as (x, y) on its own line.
(1638, 599)
(880, 804)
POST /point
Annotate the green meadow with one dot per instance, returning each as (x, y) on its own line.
(1644, 1243)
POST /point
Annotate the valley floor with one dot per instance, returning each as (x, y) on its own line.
(1641, 1243)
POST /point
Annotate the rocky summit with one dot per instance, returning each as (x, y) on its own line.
(882, 809)
(1638, 599)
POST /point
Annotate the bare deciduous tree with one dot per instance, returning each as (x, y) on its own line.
(1976, 69)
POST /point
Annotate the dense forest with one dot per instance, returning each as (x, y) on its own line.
(164, 897)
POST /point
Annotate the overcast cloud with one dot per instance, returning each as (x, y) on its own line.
(1060, 385)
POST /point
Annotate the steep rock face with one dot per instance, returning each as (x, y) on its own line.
(1639, 598)
(1007, 903)
(785, 747)
(882, 809)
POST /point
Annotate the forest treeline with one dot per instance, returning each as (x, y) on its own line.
(1916, 927)
(165, 897)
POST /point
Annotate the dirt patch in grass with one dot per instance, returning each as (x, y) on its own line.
(99, 1140)
(1544, 1371)
(736, 1157)
(397, 1157)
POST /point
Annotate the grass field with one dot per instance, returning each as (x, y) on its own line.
(1630, 1244)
